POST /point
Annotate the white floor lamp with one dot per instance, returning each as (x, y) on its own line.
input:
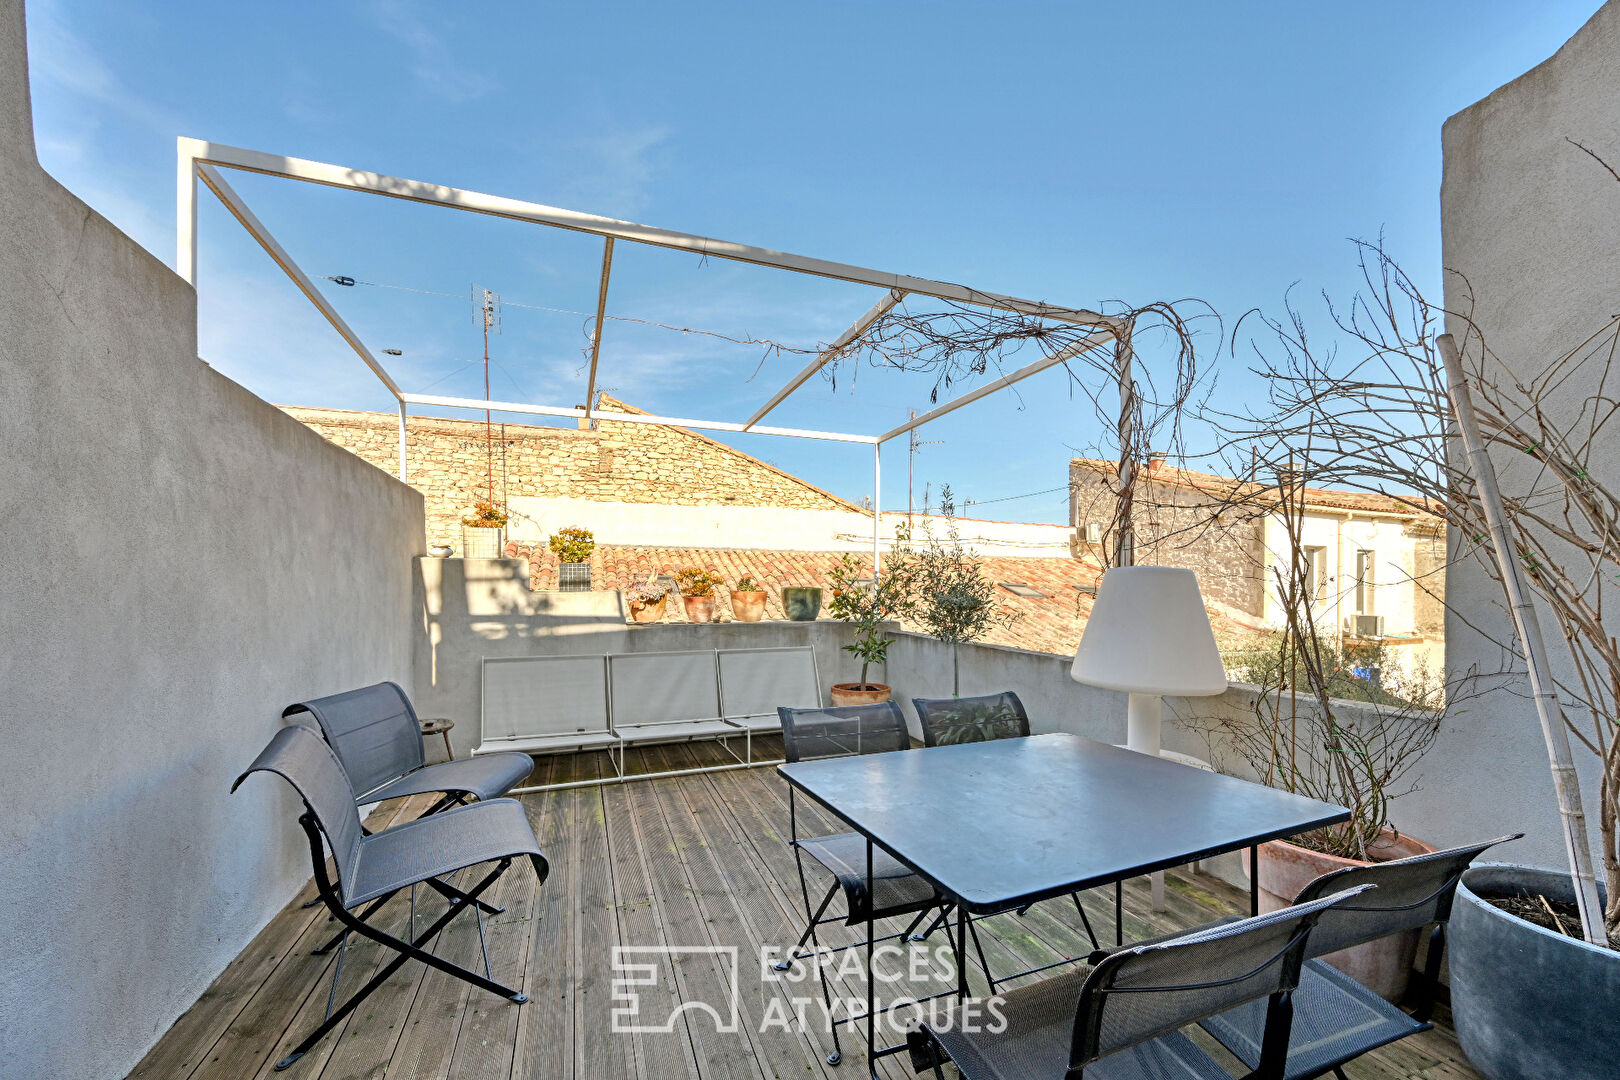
(1149, 635)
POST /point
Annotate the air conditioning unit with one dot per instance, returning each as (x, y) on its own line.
(1091, 532)
(1369, 626)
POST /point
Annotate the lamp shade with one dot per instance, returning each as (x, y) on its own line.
(1149, 634)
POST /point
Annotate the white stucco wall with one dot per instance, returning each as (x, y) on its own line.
(1534, 226)
(1342, 535)
(768, 528)
(178, 560)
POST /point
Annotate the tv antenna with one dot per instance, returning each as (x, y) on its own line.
(487, 310)
(911, 471)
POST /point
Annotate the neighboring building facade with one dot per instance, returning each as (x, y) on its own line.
(447, 460)
(1376, 564)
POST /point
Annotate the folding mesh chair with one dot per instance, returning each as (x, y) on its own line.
(953, 721)
(950, 721)
(376, 867)
(1336, 1019)
(375, 733)
(1121, 1020)
(809, 734)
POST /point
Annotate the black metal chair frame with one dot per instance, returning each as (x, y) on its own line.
(408, 948)
(1422, 999)
(1100, 984)
(816, 915)
(926, 708)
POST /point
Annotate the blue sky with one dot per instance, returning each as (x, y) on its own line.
(1079, 153)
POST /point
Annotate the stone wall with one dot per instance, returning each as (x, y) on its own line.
(1177, 527)
(1429, 579)
(448, 463)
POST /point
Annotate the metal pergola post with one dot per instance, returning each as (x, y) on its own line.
(877, 510)
(404, 467)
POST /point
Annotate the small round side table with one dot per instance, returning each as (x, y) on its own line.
(439, 725)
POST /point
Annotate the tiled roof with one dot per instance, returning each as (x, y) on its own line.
(1050, 624)
(1414, 506)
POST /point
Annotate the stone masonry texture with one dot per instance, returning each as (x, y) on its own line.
(618, 462)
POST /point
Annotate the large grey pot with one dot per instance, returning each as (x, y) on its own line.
(1529, 1004)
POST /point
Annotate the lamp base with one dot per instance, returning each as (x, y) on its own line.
(1142, 724)
(1144, 734)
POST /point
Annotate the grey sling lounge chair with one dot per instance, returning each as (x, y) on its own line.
(377, 866)
(809, 734)
(952, 721)
(376, 735)
(1122, 1020)
(1336, 1019)
(377, 738)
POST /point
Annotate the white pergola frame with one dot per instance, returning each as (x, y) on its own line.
(203, 160)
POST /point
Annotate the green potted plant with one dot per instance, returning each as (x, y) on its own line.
(647, 600)
(1321, 727)
(747, 600)
(954, 601)
(1319, 730)
(697, 587)
(483, 531)
(865, 604)
(573, 546)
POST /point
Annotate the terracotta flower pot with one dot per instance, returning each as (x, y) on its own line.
(850, 693)
(1382, 966)
(748, 606)
(645, 613)
(699, 608)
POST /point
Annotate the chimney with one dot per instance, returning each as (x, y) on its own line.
(1155, 462)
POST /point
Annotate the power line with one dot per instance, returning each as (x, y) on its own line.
(747, 339)
(1026, 495)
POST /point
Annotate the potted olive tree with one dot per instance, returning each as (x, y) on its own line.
(865, 604)
(697, 587)
(954, 601)
(573, 546)
(483, 531)
(747, 600)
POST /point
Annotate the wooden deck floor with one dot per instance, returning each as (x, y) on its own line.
(691, 861)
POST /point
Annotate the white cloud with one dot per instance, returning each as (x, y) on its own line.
(63, 58)
(435, 67)
(613, 172)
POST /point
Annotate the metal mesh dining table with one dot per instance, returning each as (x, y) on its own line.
(996, 826)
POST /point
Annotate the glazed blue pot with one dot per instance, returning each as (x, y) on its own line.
(801, 602)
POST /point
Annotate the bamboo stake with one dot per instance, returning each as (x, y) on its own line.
(1576, 842)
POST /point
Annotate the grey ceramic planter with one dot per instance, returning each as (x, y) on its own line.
(801, 602)
(1529, 1004)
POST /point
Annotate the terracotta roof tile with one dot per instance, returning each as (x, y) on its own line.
(1052, 623)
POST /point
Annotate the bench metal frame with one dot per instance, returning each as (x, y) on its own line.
(615, 738)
